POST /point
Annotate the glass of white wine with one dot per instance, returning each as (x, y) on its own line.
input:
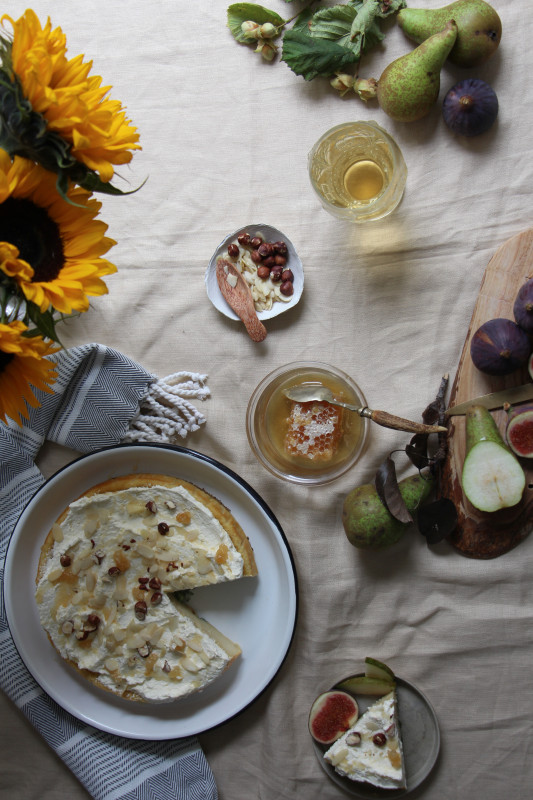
(358, 171)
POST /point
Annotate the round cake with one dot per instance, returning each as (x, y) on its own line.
(107, 577)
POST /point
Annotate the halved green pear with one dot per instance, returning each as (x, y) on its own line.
(492, 476)
(377, 669)
(365, 685)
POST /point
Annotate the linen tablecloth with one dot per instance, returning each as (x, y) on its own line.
(225, 138)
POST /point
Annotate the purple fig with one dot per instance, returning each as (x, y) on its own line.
(523, 307)
(470, 107)
(499, 347)
(519, 433)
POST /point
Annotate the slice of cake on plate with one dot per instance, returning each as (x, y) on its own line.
(371, 751)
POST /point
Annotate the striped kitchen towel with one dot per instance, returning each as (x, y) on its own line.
(100, 398)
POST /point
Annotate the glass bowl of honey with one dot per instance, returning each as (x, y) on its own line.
(306, 442)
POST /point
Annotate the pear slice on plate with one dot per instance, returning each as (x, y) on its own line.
(377, 669)
(365, 685)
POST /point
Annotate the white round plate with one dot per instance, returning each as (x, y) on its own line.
(259, 613)
(420, 737)
(269, 234)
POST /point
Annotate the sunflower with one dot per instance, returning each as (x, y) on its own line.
(23, 365)
(50, 246)
(57, 110)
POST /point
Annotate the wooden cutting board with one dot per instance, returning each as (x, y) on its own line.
(479, 534)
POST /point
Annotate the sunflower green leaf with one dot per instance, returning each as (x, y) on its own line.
(44, 321)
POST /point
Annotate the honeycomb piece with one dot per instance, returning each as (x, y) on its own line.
(314, 431)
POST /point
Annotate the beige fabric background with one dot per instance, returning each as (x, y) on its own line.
(225, 140)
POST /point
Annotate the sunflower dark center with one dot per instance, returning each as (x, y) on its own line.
(35, 234)
(5, 358)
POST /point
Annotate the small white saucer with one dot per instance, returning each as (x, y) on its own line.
(421, 744)
(269, 234)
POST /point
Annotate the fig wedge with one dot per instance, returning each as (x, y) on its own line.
(519, 433)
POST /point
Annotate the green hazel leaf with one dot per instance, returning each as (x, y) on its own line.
(312, 57)
(301, 22)
(242, 12)
(387, 7)
(334, 23)
(354, 25)
(343, 25)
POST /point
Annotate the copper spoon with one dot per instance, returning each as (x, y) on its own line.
(306, 394)
(237, 294)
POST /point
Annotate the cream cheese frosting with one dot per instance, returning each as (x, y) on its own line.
(103, 591)
(371, 751)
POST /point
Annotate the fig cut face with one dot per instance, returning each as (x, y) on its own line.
(331, 715)
(520, 433)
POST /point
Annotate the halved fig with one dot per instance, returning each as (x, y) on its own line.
(519, 433)
(331, 715)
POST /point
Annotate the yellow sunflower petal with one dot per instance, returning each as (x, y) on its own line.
(79, 273)
(22, 366)
(12, 265)
(73, 102)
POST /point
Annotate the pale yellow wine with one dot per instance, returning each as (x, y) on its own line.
(364, 180)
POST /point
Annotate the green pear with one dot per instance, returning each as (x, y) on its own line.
(367, 522)
(409, 87)
(479, 29)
